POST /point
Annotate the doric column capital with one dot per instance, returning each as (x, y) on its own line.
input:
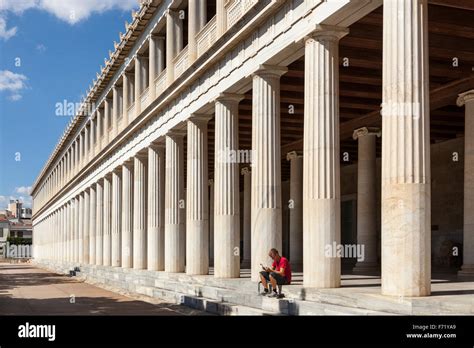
(360, 132)
(245, 171)
(128, 162)
(327, 32)
(156, 36)
(176, 133)
(465, 97)
(158, 146)
(117, 170)
(270, 70)
(200, 118)
(128, 74)
(292, 155)
(229, 97)
(141, 155)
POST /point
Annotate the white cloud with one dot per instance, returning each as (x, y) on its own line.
(15, 97)
(71, 11)
(13, 83)
(10, 81)
(23, 190)
(5, 33)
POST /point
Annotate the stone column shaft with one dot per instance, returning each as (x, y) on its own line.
(221, 17)
(321, 168)
(127, 215)
(115, 110)
(125, 99)
(77, 229)
(211, 222)
(85, 227)
(139, 212)
(296, 210)
(247, 218)
(156, 208)
(367, 199)
(197, 19)
(107, 118)
(226, 188)
(197, 210)
(92, 224)
(266, 166)
(175, 234)
(138, 85)
(406, 194)
(99, 228)
(107, 222)
(173, 42)
(116, 218)
(467, 99)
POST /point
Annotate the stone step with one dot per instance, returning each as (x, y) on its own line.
(214, 296)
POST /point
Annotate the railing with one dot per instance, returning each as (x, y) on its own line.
(235, 9)
(131, 112)
(160, 83)
(144, 99)
(180, 62)
(207, 36)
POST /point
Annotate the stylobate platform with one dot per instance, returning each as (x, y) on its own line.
(358, 294)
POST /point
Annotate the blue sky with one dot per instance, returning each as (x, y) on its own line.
(58, 50)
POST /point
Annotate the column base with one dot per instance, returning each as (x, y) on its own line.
(466, 271)
(366, 268)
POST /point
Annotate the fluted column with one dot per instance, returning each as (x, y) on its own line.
(467, 99)
(92, 224)
(197, 210)
(63, 233)
(321, 168)
(226, 188)
(127, 215)
(85, 227)
(139, 212)
(156, 208)
(70, 233)
(247, 218)
(116, 218)
(266, 170)
(211, 222)
(296, 210)
(99, 227)
(107, 221)
(77, 229)
(406, 194)
(367, 199)
(175, 234)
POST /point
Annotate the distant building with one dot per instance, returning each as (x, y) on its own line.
(25, 213)
(15, 206)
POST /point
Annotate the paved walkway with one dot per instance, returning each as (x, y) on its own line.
(28, 290)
